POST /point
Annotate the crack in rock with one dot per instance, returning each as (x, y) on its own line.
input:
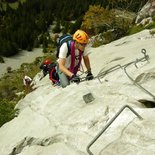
(30, 141)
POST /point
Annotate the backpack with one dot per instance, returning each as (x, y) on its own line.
(44, 68)
(53, 75)
(64, 38)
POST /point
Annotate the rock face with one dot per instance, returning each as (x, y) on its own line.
(146, 14)
(57, 121)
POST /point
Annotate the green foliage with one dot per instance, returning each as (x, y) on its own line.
(12, 83)
(76, 25)
(150, 26)
(8, 48)
(36, 43)
(9, 69)
(103, 19)
(110, 24)
(97, 20)
(97, 43)
(20, 28)
(153, 18)
(45, 50)
(104, 38)
(1, 60)
(135, 29)
(138, 28)
(109, 36)
(122, 22)
(5, 90)
(57, 28)
(152, 32)
(38, 60)
(45, 42)
(129, 5)
(66, 28)
(7, 111)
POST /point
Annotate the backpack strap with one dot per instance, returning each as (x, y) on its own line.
(76, 69)
(52, 76)
(52, 71)
(72, 50)
(69, 47)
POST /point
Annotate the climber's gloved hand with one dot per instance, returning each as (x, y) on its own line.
(89, 76)
(75, 79)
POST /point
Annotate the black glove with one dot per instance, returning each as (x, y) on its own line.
(75, 79)
(89, 76)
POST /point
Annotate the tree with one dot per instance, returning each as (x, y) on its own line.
(57, 28)
(8, 48)
(103, 18)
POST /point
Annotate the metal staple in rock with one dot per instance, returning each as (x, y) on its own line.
(102, 73)
(108, 124)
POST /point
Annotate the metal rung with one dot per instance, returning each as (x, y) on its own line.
(102, 73)
(108, 124)
(137, 84)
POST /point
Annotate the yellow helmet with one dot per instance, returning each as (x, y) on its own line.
(81, 37)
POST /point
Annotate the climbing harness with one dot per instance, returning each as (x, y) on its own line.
(108, 124)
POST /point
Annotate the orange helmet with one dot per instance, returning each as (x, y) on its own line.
(47, 62)
(81, 36)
